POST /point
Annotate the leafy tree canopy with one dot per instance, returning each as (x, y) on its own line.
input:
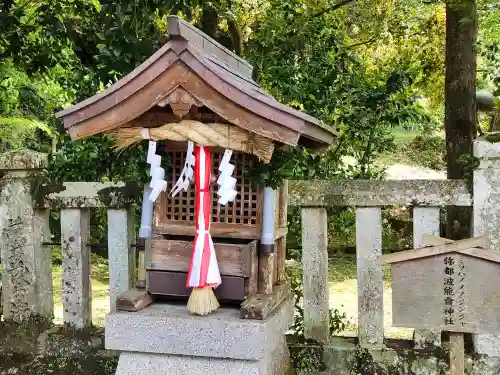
(364, 67)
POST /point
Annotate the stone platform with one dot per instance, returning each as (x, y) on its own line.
(164, 338)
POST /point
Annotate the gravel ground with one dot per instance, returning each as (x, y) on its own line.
(408, 172)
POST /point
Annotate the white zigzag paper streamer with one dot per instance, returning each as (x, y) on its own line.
(186, 176)
(157, 174)
(226, 182)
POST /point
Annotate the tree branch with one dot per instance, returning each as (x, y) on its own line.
(339, 5)
(371, 40)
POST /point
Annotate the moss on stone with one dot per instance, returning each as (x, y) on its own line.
(41, 187)
(121, 196)
(492, 137)
(30, 364)
(308, 358)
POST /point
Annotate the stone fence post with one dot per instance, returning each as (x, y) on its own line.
(486, 218)
(315, 273)
(26, 265)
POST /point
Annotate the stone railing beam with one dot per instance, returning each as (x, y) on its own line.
(377, 193)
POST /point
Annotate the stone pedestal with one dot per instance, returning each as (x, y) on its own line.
(486, 218)
(164, 338)
(26, 265)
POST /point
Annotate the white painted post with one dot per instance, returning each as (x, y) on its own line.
(315, 273)
(76, 286)
(425, 221)
(486, 217)
(121, 255)
(370, 276)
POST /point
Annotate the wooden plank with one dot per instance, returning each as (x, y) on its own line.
(434, 250)
(281, 259)
(261, 306)
(252, 265)
(370, 276)
(283, 205)
(276, 226)
(280, 233)
(426, 223)
(121, 90)
(178, 27)
(173, 284)
(133, 300)
(315, 274)
(175, 255)
(283, 224)
(449, 292)
(457, 359)
(127, 107)
(371, 193)
(275, 264)
(141, 270)
(486, 254)
(245, 116)
(430, 240)
(266, 272)
(222, 230)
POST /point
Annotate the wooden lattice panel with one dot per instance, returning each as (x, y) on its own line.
(181, 208)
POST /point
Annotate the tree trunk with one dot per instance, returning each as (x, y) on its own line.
(460, 108)
(460, 102)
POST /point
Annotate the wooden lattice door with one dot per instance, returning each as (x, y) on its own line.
(238, 219)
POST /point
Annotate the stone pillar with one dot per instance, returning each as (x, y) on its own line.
(370, 276)
(486, 218)
(315, 274)
(26, 272)
(121, 255)
(76, 286)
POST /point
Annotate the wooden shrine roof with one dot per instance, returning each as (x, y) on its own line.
(192, 69)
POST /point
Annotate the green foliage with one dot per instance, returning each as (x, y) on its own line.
(337, 320)
(94, 159)
(308, 359)
(427, 151)
(68, 50)
(304, 59)
(15, 132)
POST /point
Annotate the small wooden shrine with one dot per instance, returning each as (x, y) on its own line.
(195, 92)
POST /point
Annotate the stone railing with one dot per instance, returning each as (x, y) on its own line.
(368, 197)
(26, 262)
(427, 199)
(25, 240)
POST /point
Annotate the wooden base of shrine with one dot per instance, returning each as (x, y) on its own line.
(261, 306)
(166, 284)
(256, 307)
(134, 300)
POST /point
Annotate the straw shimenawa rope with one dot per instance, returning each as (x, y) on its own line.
(210, 135)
